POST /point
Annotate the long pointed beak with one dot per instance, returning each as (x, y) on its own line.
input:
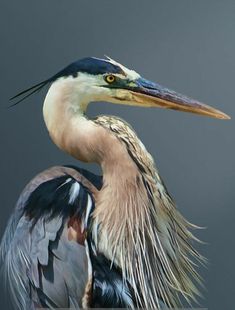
(146, 93)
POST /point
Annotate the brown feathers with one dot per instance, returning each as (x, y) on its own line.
(137, 226)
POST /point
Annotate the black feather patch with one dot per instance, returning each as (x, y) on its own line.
(109, 289)
(90, 65)
(52, 198)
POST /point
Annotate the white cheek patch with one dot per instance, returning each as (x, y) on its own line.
(131, 74)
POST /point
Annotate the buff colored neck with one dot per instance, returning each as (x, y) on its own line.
(64, 114)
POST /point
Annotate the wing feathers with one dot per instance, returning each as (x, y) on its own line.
(41, 265)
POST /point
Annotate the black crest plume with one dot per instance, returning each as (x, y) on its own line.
(29, 91)
(90, 65)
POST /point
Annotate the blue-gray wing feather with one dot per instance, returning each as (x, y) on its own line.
(41, 266)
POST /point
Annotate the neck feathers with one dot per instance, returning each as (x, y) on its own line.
(64, 114)
(62, 102)
(137, 226)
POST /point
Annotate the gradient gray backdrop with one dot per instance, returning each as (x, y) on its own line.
(186, 45)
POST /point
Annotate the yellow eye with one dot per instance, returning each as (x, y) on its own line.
(110, 78)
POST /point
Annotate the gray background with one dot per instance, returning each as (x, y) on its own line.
(186, 45)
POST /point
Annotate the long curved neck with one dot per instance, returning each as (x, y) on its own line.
(64, 114)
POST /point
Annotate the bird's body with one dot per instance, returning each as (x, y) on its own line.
(133, 247)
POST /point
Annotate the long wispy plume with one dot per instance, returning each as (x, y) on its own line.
(145, 235)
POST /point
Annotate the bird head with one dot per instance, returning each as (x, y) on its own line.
(107, 80)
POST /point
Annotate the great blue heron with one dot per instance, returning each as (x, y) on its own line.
(80, 240)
